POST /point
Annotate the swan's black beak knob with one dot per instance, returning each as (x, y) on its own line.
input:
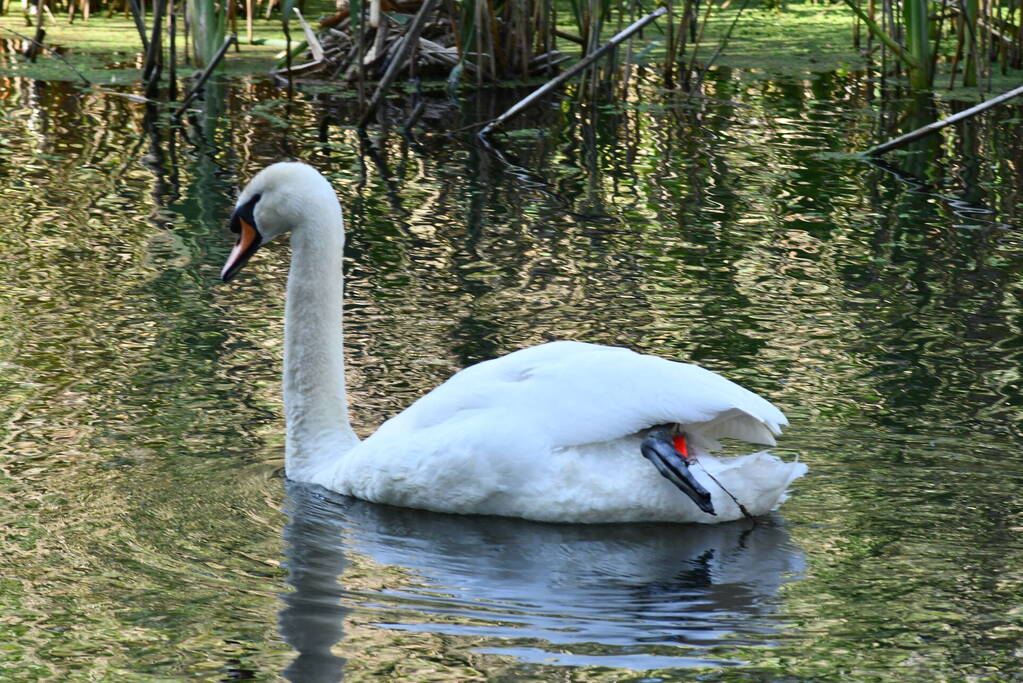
(658, 447)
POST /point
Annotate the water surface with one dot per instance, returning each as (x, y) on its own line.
(148, 534)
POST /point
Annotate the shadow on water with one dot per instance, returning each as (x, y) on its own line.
(612, 595)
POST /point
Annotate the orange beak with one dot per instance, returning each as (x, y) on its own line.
(247, 243)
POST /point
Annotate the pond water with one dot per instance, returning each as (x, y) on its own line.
(148, 533)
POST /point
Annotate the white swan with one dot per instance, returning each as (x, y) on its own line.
(553, 433)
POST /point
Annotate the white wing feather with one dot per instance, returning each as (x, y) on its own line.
(575, 393)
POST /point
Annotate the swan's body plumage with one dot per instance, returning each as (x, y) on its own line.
(551, 432)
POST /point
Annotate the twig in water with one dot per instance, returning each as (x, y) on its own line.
(417, 110)
(140, 25)
(580, 66)
(721, 46)
(205, 76)
(410, 38)
(52, 52)
(286, 28)
(172, 52)
(153, 67)
(938, 125)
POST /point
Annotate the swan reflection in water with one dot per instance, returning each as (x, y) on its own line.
(628, 588)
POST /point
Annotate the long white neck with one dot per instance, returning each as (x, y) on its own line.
(318, 429)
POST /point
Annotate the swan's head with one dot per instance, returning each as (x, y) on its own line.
(280, 198)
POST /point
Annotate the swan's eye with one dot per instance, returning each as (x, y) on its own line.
(245, 212)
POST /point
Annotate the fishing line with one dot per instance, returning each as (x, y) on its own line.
(742, 508)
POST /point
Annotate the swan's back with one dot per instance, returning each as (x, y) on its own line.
(576, 393)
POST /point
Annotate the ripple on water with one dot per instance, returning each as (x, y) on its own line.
(879, 306)
(608, 595)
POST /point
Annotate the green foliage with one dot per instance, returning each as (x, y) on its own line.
(972, 38)
(498, 39)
